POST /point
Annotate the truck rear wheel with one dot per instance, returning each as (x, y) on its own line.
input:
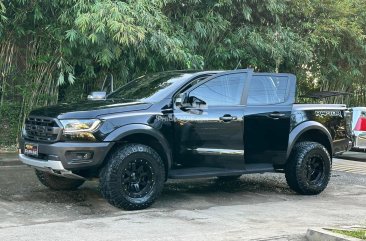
(133, 177)
(58, 183)
(308, 169)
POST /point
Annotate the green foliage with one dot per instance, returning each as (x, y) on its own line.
(361, 234)
(2, 16)
(9, 117)
(56, 50)
(227, 33)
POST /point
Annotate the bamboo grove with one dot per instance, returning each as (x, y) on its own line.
(59, 50)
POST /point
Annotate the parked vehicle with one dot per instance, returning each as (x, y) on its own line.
(359, 127)
(185, 124)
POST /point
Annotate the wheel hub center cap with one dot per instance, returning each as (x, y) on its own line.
(133, 176)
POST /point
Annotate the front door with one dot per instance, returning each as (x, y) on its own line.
(212, 134)
(267, 117)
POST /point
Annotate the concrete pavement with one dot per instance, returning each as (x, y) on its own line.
(349, 166)
(354, 156)
(257, 207)
(9, 159)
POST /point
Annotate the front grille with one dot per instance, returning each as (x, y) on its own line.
(42, 129)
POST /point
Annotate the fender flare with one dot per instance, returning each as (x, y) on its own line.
(302, 128)
(130, 129)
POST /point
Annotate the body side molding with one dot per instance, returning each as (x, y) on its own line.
(215, 151)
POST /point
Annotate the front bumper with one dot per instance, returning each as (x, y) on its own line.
(58, 156)
(53, 167)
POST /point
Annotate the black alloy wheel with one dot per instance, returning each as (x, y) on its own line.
(314, 169)
(137, 178)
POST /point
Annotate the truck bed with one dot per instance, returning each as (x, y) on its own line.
(334, 117)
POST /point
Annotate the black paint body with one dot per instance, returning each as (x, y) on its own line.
(201, 137)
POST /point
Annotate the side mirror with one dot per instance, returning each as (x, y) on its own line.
(181, 100)
(197, 102)
(97, 95)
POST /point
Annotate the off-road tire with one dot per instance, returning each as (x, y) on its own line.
(308, 160)
(117, 178)
(58, 183)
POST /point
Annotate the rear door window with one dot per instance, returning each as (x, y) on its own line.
(268, 90)
(225, 90)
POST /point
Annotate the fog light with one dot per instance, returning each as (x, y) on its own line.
(84, 155)
(79, 155)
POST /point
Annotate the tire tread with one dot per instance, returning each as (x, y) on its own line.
(109, 172)
(294, 167)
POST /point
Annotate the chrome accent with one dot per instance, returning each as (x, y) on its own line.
(228, 118)
(54, 167)
(319, 107)
(350, 144)
(360, 141)
(214, 151)
(42, 129)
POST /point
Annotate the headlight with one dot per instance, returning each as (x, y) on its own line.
(82, 125)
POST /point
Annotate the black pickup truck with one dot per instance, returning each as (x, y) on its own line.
(185, 124)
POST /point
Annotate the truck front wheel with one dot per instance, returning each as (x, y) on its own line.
(58, 183)
(308, 169)
(133, 177)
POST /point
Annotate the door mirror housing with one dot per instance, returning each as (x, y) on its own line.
(97, 95)
(182, 100)
(197, 102)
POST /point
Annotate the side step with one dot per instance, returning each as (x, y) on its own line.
(201, 172)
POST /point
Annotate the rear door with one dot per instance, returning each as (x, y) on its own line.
(267, 117)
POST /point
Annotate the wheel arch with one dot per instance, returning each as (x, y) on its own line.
(310, 131)
(144, 134)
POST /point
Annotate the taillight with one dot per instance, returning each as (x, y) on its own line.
(361, 124)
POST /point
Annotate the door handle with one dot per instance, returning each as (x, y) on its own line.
(276, 115)
(228, 118)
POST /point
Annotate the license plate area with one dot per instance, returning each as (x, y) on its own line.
(31, 149)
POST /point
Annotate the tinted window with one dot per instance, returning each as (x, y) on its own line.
(223, 90)
(266, 90)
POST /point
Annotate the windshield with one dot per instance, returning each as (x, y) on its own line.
(150, 88)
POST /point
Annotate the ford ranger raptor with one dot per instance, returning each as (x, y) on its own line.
(185, 124)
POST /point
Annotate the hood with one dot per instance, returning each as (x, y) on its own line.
(89, 109)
